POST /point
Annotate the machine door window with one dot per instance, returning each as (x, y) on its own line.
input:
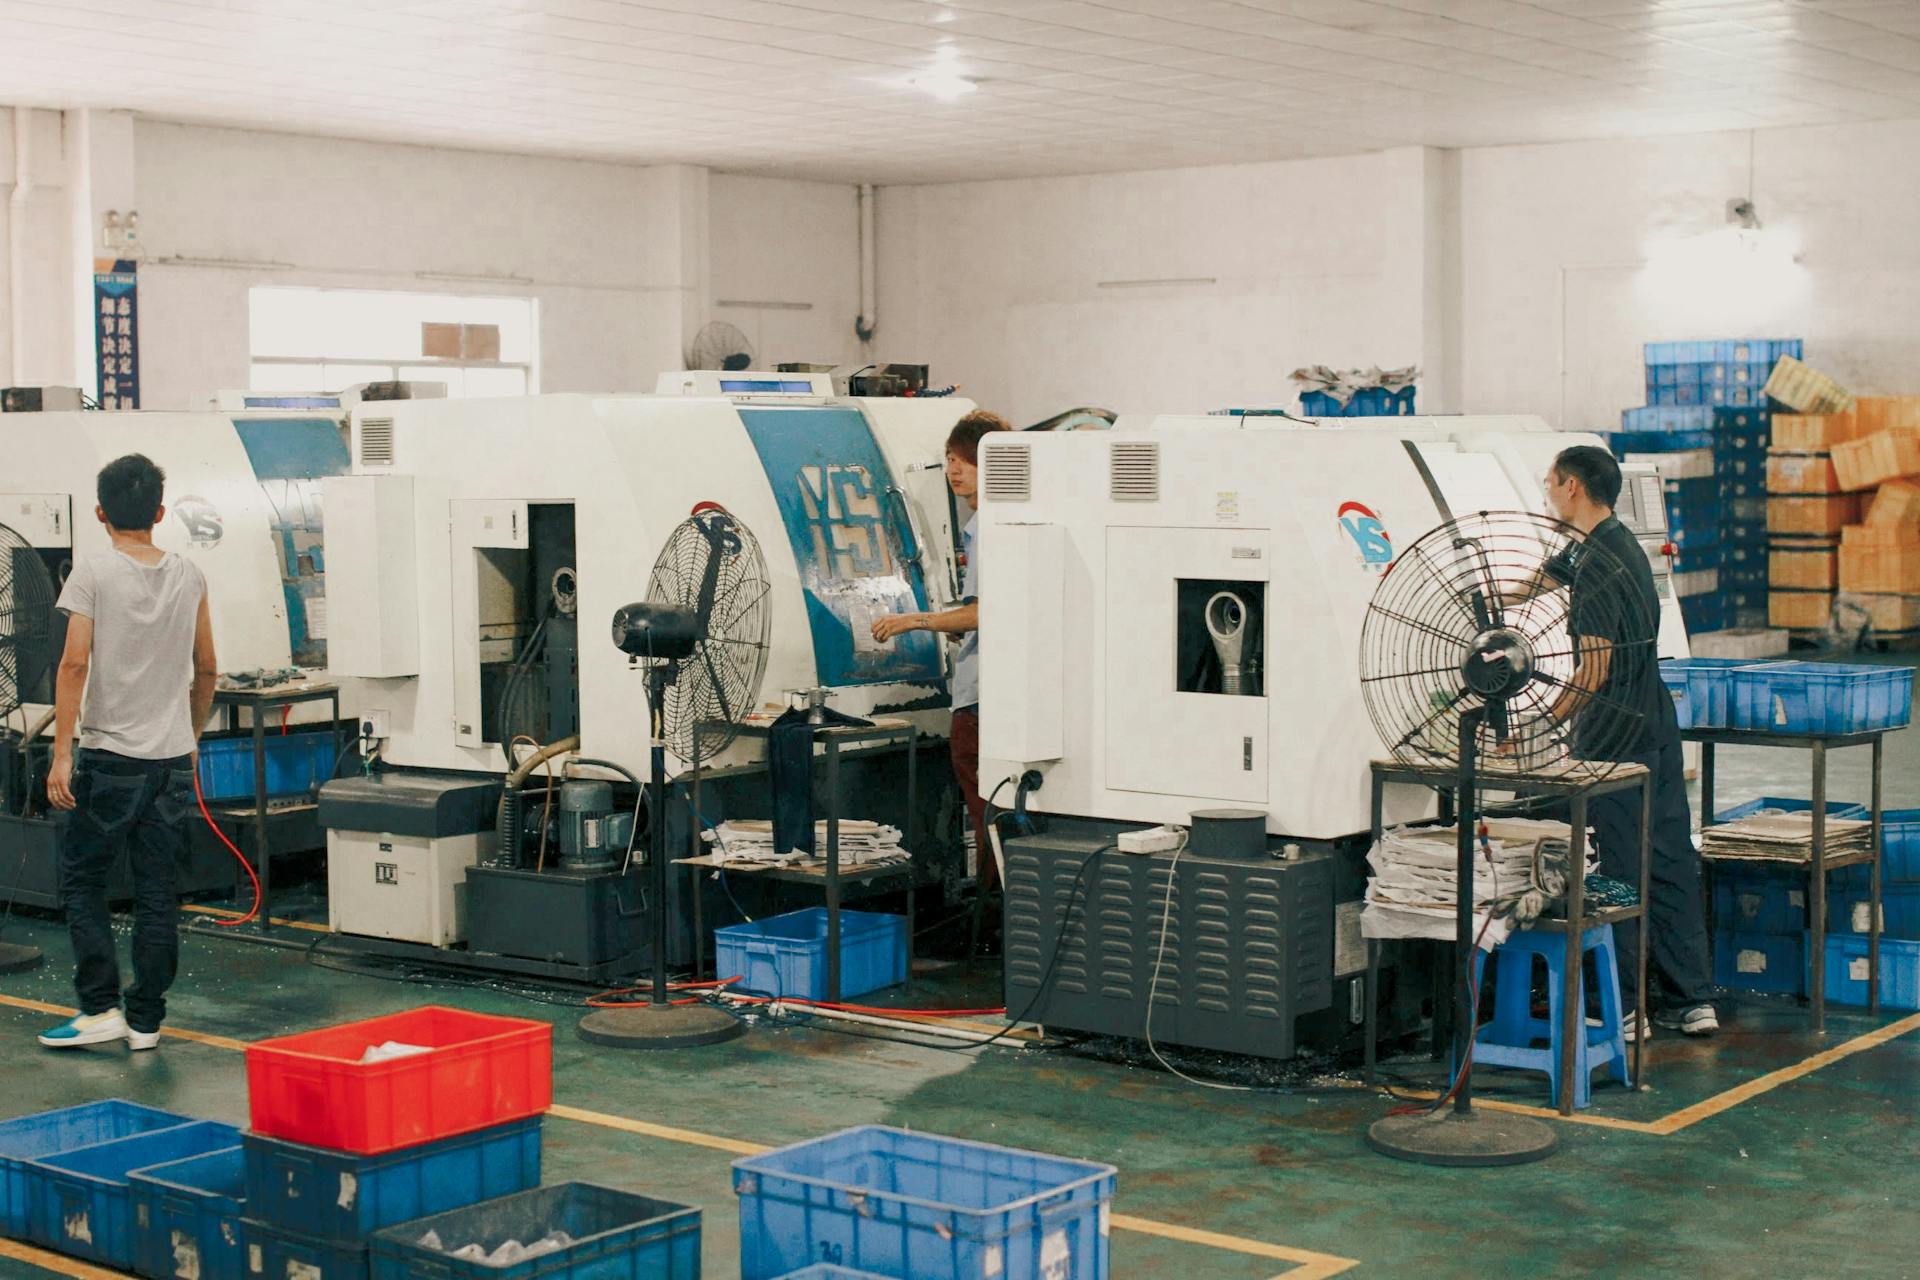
(516, 639)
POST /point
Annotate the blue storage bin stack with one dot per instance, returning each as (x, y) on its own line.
(1760, 914)
(187, 1217)
(1710, 395)
(1371, 402)
(82, 1200)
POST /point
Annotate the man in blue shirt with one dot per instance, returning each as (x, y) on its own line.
(963, 740)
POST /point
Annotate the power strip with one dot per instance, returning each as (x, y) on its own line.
(1151, 840)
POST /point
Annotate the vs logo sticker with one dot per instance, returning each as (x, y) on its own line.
(202, 520)
(1368, 534)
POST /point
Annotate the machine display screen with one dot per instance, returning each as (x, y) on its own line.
(761, 386)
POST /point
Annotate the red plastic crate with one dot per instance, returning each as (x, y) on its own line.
(482, 1070)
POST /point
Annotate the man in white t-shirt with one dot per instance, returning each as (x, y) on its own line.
(140, 646)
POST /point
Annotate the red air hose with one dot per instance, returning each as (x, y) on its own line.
(234, 849)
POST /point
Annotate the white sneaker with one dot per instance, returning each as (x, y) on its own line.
(85, 1029)
(1700, 1020)
(1636, 1026)
(138, 1040)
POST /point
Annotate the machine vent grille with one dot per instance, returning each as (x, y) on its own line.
(1010, 473)
(1133, 470)
(376, 442)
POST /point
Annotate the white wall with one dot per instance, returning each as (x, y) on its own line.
(786, 242)
(45, 329)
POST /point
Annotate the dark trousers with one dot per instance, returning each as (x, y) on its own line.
(1680, 972)
(963, 745)
(142, 806)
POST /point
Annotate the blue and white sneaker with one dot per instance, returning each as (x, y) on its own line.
(85, 1029)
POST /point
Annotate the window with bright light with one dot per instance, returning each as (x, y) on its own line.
(327, 340)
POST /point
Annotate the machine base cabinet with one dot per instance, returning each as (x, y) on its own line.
(559, 916)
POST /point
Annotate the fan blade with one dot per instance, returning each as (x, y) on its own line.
(1480, 614)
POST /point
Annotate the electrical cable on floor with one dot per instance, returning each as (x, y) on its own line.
(1153, 985)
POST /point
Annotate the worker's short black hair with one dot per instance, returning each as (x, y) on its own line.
(1594, 468)
(964, 439)
(129, 490)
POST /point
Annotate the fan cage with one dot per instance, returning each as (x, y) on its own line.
(26, 620)
(1468, 580)
(719, 684)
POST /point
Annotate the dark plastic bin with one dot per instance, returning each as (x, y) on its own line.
(1821, 697)
(275, 1253)
(1900, 844)
(340, 1196)
(296, 764)
(482, 1070)
(617, 1236)
(1759, 901)
(1775, 963)
(786, 955)
(85, 1206)
(922, 1206)
(186, 1217)
(68, 1129)
(1899, 911)
(1777, 804)
(1847, 971)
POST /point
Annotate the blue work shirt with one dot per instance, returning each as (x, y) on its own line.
(966, 665)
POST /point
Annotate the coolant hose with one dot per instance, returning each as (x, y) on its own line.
(507, 817)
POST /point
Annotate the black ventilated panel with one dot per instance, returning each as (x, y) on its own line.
(1249, 945)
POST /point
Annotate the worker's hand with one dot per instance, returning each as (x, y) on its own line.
(60, 783)
(887, 627)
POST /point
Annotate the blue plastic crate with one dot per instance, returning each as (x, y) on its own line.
(1777, 804)
(1899, 910)
(916, 1204)
(1741, 420)
(1847, 971)
(1706, 613)
(616, 1236)
(1369, 402)
(1760, 901)
(1821, 697)
(1697, 559)
(1745, 577)
(275, 1253)
(1707, 689)
(186, 1217)
(296, 764)
(85, 1207)
(1670, 418)
(786, 955)
(1775, 963)
(1625, 442)
(1900, 844)
(1737, 554)
(1692, 492)
(827, 1271)
(52, 1132)
(335, 1195)
(1694, 537)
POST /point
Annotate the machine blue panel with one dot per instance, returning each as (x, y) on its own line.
(289, 457)
(851, 539)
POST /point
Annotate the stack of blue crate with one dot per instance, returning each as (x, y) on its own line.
(1847, 920)
(1711, 396)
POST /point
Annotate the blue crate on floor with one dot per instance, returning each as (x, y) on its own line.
(49, 1133)
(1370, 402)
(85, 1207)
(296, 763)
(1706, 613)
(786, 955)
(919, 1205)
(1900, 844)
(1744, 578)
(1706, 689)
(1737, 421)
(1779, 804)
(1847, 971)
(1694, 537)
(275, 1253)
(616, 1236)
(1760, 901)
(1748, 513)
(1899, 910)
(827, 1271)
(1821, 697)
(1775, 963)
(1740, 554)
(1625, 442)
(187, 1215)
(339, 1196)
(1693, 420)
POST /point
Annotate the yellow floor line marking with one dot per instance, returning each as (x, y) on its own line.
(1544, 1113)
(688, 1136)
(1733, 1097)
(1312, 1264)
(57, 1263)
(176, 1033)
(308, 925)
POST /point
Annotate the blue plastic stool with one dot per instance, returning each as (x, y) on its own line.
(1508, 1040)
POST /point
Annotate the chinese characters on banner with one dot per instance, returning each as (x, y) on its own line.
(116, 333)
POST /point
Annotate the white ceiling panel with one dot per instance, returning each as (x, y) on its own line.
(819, 88)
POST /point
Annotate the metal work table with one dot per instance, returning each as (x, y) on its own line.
(260, 702)
(829, 739)
(1818, 863)
(1578, 792)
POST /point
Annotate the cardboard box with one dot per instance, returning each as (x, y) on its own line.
(1896, 503)
(1877, 535)
(1805, 389)
(1886, 413)
(1814, 517)
(1891, 568)
(1813, 433)
(1878, 458)
(1799, 610)
(1883, 612)
(1803, 570)
(1740, 642)
(1801, 473)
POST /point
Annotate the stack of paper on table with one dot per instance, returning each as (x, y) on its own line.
(750, 842)
(1785, 837)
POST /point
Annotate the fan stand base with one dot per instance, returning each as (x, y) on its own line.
(1462, 1140)
(18, 958)
(660, 1026)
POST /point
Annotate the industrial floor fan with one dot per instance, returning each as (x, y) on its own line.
(26, 651)
(701, 635)
(1471, 660)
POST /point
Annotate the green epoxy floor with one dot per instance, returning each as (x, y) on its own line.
(1819, 1177)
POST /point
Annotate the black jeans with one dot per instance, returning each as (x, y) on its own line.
(1680, 973)
(142, 806)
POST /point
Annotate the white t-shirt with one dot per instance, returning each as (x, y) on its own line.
(139, 699)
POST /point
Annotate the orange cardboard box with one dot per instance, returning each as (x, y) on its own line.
(1813, 432)
(1878, 458)
(1799, 610)
(1886, 413)
(1803, 570)
(1892, 568)
(1801, 473)
(1817, 517)
(1896, 503)
(1887, 612)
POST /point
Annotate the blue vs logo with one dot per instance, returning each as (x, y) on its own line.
(1368, 534)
